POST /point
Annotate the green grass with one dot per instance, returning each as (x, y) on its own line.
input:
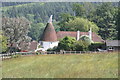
(62, 66)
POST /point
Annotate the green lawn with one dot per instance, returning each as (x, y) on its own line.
(62, 66)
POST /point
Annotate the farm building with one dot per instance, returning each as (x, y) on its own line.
(113, 45)
(26, 46)
(50, 37)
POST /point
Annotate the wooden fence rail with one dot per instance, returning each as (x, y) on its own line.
(9, 55)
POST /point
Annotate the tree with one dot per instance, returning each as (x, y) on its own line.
(106, 20)
(67, 43)
(118, 22)
(81, 45)
(81, 24)
(3, 41)
(64, 18)
(36, 31)
(79, 10)
(90, 9)
(15, 29)
(86, 39)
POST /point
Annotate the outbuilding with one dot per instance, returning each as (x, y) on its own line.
(113, 45)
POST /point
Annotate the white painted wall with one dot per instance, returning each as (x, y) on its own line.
(78, 35)
(47, 45)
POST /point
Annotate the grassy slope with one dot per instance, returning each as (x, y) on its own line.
(63, 66)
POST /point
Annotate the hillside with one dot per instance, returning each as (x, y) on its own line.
(38, 12)
(103, 15)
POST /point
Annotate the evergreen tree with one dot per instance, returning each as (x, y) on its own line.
(105, 19)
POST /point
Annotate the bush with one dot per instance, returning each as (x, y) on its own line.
(67, 43)
(86, 39)
(52, 49)
(37, 53)
(81, 46)
(95, 46)
(15, 56)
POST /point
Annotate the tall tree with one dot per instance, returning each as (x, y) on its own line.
(64, 18)
(79, 9)
(36, 31)
(118, 22)
(106, 20)
(16, 29)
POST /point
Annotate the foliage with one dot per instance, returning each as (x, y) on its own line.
(81, 24)
(105, 18)
(64, 18)
(13, 3)
(13, 49)
(118, 22)
(95, 46)
(104, 15)
(15, 56)
(3, 43)
(79, 9)
(16, 29)
(81, 45)
(40, 11)
(36, 31)
(52, 49)
(86, 39)
(67, 43)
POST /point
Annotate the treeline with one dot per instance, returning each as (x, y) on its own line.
(4, 4)
(104, 15)
(67, 16)
(39, 12)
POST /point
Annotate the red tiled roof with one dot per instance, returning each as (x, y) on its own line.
(49, 33)
(23, 46)
(62, 34)
(27, 46)
(33, 46)
(96, 38)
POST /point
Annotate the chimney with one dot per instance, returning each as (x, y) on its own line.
(90, 34)
(78, 35)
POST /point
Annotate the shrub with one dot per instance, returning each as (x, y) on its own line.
(67, 43)
(94, 46)
(81, 46)
(86, 39)
(15, 56)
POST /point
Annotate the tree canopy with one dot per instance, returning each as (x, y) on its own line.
(67, 43)
(3, 41)
(16, 30)
(81, 24)
(104, 15)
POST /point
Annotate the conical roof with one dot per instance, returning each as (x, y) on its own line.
(49, 33)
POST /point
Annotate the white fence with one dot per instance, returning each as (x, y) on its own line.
(73, 52)
(9, 55)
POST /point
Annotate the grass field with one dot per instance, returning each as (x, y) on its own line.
(62, 66)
